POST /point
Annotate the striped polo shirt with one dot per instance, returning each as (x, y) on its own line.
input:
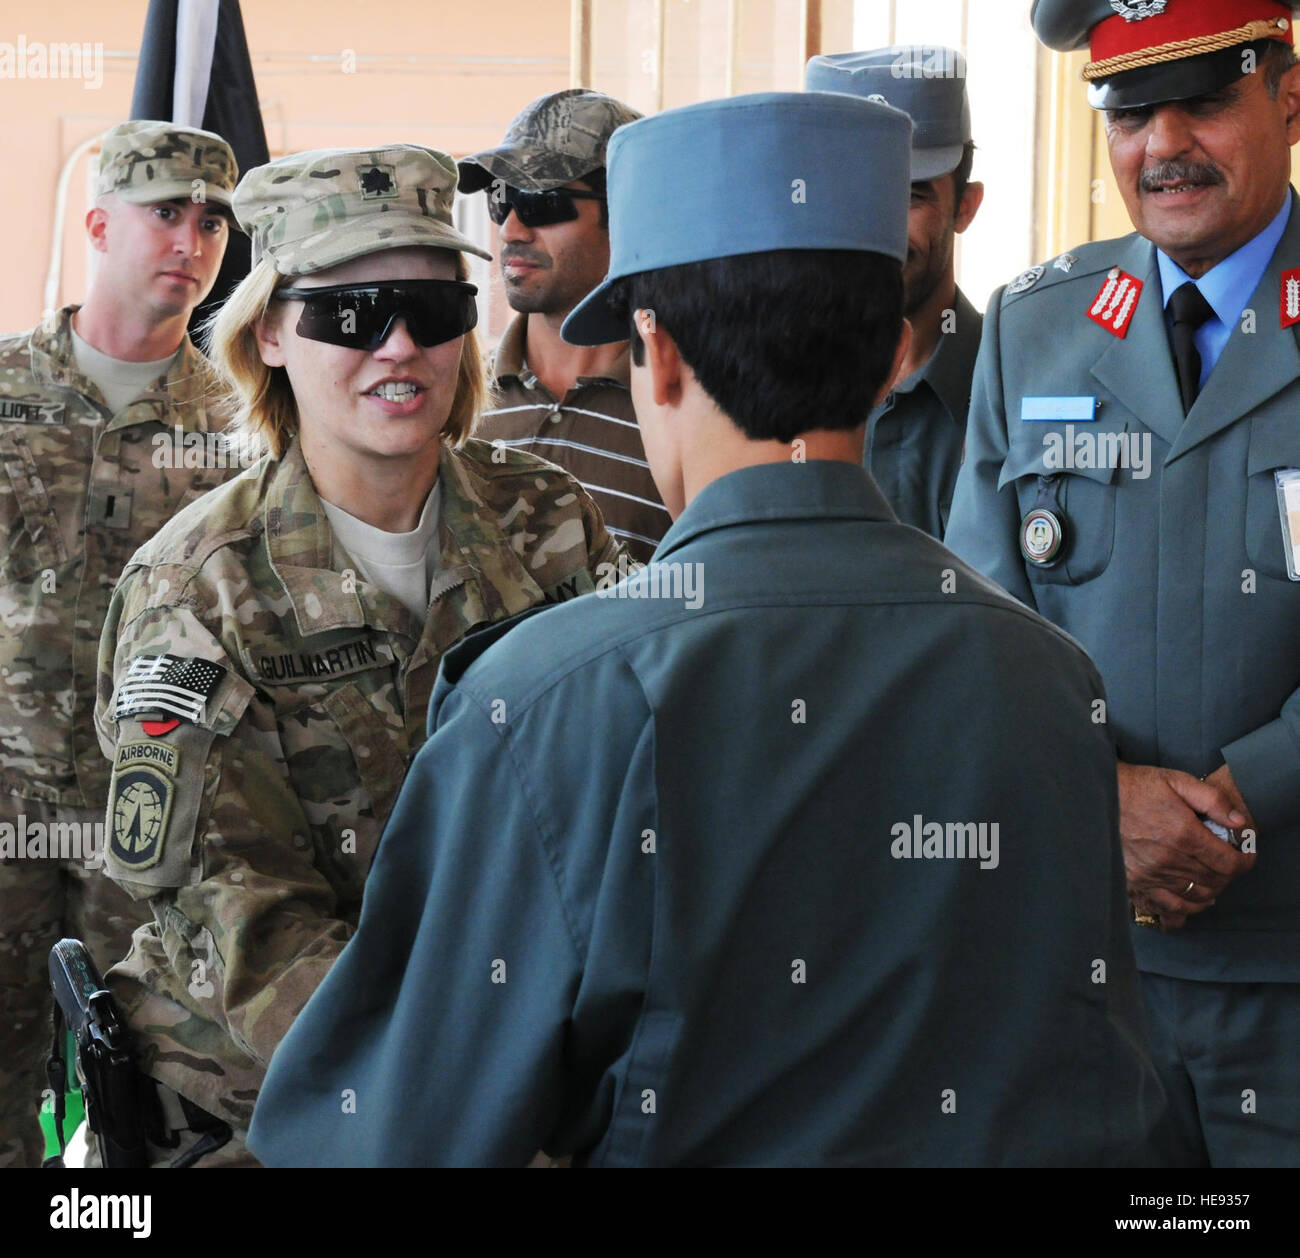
(591, 432)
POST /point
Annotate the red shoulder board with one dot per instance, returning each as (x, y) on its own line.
(1117, 302)
(1290, 297)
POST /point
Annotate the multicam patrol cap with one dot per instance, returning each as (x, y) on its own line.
(1148, 51)
(553, 141)
(751, 174)
(927, 82)
(313, 210)
(143, 162)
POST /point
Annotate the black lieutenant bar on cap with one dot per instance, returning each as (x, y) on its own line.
(1145, 52)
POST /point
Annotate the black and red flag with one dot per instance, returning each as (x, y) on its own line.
(195, 71)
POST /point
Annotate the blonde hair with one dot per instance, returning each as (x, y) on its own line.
(261, 397)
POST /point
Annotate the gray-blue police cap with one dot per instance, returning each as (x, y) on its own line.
(751, 174)
(926, 81)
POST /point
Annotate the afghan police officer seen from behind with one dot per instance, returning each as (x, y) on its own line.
(545, 186)
(915, 436)
(268, 658)
(1131, 472)
(108, 417)
(768, 916)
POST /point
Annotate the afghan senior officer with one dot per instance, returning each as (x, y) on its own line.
(680, 880)
(1131, 471)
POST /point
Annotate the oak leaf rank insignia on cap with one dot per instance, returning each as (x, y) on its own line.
(376, 181)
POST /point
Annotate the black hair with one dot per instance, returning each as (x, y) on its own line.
(961, 177)
(595, 180)
(1275, 59)
(784, 341)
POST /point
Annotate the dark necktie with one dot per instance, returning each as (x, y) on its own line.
(1189, 309)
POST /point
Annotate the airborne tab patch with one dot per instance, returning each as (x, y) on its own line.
(159, 755)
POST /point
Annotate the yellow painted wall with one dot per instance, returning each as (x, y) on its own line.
(452, 75)
(352, 72)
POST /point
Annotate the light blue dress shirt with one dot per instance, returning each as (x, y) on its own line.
(1227, 287)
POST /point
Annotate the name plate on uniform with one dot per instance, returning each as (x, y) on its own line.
(1288, 501)
(1058, 409)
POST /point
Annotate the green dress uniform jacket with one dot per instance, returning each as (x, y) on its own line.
(1175, 580)
(249, 823)
(915, 437)
(656, 893)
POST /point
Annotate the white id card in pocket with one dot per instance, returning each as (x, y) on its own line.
(1288, 501)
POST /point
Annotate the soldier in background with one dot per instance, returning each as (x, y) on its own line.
(916, 435)
(95, 405)
(268, 658)
(546, 189)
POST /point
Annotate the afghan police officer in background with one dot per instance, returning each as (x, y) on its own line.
(1130, 472)
(726, 930)
(916, 435)
(95, 406)
(545, 186)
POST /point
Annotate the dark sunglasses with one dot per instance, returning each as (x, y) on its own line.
(536, 209)
(361, 316)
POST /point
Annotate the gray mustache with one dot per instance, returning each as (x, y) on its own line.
(1180, 172)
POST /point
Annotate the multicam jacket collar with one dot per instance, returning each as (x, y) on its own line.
(179, 396)
(310, 561)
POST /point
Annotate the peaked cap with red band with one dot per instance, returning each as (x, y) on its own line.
(1145, 52)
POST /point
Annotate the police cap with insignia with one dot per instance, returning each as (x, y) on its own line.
(144, 161)
(927, 82)
(752, 174)
(558, 138)
(1144, 52)
(309, 211)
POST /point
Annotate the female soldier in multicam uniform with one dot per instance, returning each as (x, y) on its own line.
(268, 658)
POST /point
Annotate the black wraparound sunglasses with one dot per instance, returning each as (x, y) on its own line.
(536, 209)
(361, 316)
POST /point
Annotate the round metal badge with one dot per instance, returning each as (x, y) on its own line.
(1138, 10)
(1026, 280)
(1042, 536)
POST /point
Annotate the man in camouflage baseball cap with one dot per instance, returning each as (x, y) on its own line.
(545, 187)
(309, 211)
(553, 141)
(144, 162)
(112, 414)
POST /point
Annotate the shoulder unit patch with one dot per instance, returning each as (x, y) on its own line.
(138, 810)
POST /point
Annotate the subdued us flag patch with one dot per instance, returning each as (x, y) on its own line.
(167, 683)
